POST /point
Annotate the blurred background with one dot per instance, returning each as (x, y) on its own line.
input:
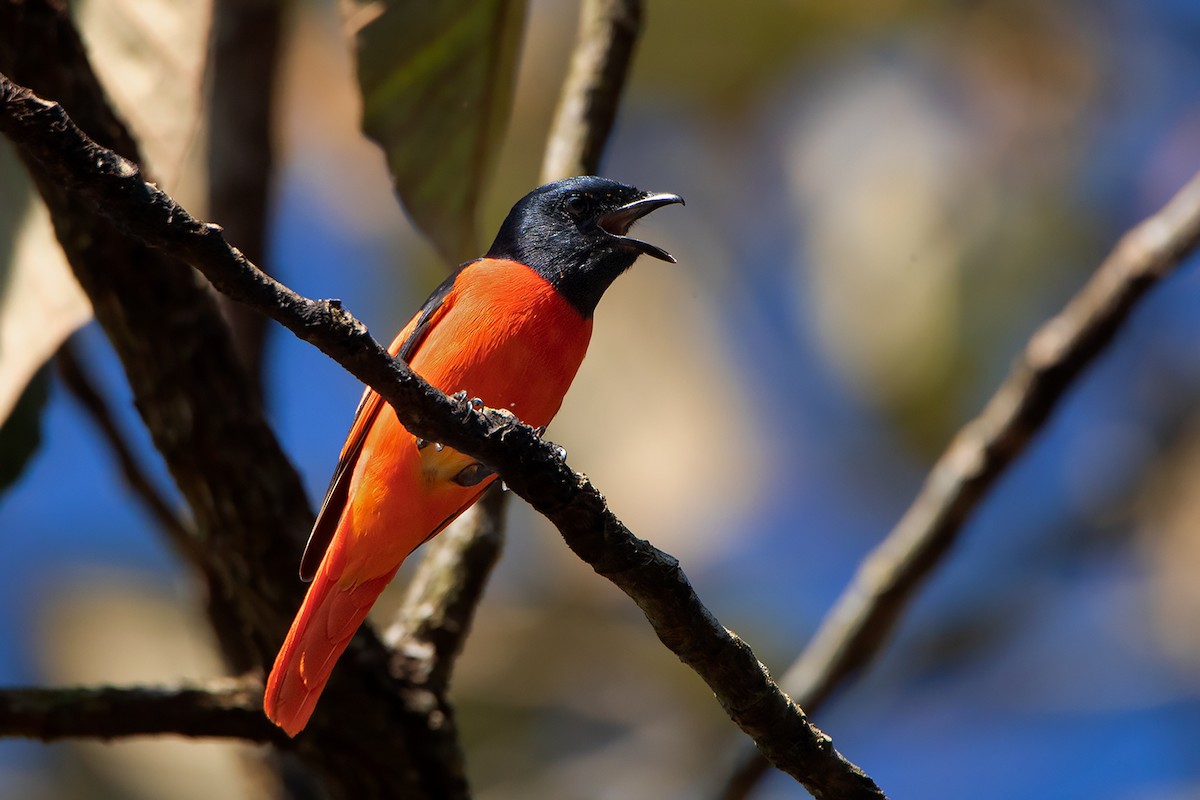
(883, 202)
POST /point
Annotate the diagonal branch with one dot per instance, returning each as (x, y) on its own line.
(243, 56)
(80, 384)
(862, 619)
(653, 579)
(608, 31)
(226, 708)
(432, 624)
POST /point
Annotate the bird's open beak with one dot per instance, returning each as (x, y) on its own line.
(617, 223)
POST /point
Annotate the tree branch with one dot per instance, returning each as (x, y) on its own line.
(436, 614)
(247, 501)
(75, 377)
(241, 102)
(608, 31)
(228, 709)
(653, 579)
(862, 619)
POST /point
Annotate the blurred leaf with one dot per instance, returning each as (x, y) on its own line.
(887, 306)
(437, 83)
(40, 302)
(21, 432)
(150, 56)
(724, 55)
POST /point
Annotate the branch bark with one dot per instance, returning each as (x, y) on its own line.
(228, 709)
(653, 579)
(608, 32)
(245, 45)
(80, 384)
(859, 624)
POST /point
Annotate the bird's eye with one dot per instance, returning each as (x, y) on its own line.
(577, 205)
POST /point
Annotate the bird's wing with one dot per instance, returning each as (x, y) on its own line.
(406, 344)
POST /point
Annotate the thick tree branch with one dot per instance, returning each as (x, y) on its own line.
(429, 631)
(862, 619)
(244, 39)
(247, 502)
(227, 709)
(653, 579)
(608, 31)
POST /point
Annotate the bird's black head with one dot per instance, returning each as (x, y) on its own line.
(573, 233)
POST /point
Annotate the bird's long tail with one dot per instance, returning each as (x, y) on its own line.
(331, 613)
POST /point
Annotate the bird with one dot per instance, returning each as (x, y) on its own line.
(510, 328)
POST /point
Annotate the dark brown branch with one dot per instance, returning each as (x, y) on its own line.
(653, 579)
(608, 31)
(81, 386)
(227, 709)
(862, 619)
(440, 602)
(244, 51)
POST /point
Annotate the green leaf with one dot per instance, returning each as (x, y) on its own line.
(21, 432)
(41, 304)
(437, 82)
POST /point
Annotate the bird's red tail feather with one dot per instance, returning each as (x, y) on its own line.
(331, 613)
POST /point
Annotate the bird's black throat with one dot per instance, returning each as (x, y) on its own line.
(580, 275)
(558, 231)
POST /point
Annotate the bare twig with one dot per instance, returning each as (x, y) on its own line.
(436, 613)
(861, 620)
(245, 45)
(226, 708)
(608, 31)
(75, 377)
(46, 136)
